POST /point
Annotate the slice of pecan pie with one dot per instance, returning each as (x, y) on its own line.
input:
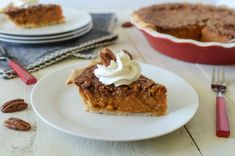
(35, 16)
(142, 96)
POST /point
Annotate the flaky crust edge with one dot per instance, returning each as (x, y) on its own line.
(75, 73)
(140, 23)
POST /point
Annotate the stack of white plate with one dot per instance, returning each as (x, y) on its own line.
(77, 23)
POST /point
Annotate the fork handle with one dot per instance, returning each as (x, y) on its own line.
(22, 73)
(222, 123)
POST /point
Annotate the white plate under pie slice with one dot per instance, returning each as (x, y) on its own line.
(61, 107)
(74, 19)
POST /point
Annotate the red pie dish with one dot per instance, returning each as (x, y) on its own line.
(187, 40)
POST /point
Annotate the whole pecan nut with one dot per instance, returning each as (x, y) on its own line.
(127, 25)
(14, 106)
(106, 56)
(17, 124)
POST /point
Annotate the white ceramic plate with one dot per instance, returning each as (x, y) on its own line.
(86, 30)
(61, 107)
(74, 19)
(69, 33)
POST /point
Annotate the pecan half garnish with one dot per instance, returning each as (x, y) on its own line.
(106, 56)
(14, 106)
(17, 124)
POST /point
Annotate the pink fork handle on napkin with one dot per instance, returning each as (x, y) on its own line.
(222, 123)
(22, 73)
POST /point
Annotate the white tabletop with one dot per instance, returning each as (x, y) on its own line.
(197, 137)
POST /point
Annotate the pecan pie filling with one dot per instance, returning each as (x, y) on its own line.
(200, 22)
(139, 96)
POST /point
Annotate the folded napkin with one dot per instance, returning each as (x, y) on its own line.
(37, 56)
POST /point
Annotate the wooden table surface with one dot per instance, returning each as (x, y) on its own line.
(197, 137)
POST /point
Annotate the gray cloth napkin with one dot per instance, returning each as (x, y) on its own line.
(36, 57)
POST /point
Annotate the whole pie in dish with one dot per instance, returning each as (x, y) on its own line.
(199, 22)
(114, 85)
(34, 16)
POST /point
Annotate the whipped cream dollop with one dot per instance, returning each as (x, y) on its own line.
(123, 71)
(24, 3)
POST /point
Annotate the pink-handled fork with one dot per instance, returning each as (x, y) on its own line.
(219, 86)
(21, 72)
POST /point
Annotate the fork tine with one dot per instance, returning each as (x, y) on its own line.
(218, 76)
(213, 77)
(222, 77)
